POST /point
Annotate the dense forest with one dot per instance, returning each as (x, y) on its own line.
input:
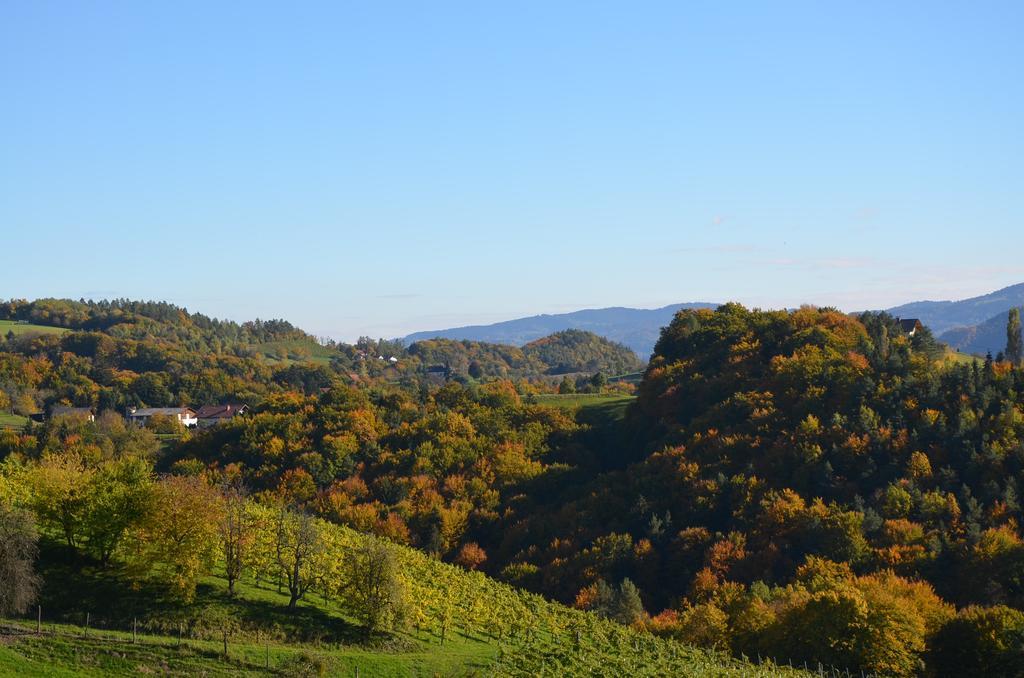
(807, 486)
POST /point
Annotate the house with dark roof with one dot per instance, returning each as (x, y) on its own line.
(211, 415)
(910, 326)
(86, 413)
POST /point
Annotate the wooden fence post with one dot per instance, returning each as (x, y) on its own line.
(135, 630)
(86, 624)
(39, 620)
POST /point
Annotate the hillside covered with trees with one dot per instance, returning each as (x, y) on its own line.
(220, 581)
(808, 485)
(805, 486)
(120, 354)
(566, 352)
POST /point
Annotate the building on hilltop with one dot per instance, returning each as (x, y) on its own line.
(910, 326)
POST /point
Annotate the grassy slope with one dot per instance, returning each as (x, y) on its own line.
(24, 654)
(8, 420)
(62, 650)
(18, 328)
(573, 400)
(312, 352)
(493, 629)
(631, 378)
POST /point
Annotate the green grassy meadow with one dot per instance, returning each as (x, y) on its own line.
(7, 326)
(293, 351)
(8, 420)
(574, 400)
(65, 650)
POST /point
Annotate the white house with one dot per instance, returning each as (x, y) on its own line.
(185, 415)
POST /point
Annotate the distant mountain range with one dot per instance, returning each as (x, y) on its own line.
(986, 337)
(637, 328)
(942, 316)
(974, 325)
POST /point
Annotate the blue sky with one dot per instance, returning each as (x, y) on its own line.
(378, 168)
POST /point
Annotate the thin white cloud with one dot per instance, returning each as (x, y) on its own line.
(822, 264)
(720, 249)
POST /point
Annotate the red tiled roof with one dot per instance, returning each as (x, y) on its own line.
(219, 411)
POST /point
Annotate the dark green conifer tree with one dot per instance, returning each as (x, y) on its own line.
(1014, 342)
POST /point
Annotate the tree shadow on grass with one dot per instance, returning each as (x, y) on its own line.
(305, 623)
(75, 585)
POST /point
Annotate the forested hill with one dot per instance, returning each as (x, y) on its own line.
(117, 354)
(636, 328)
(809, 485)
(152, 320)
(566, 352)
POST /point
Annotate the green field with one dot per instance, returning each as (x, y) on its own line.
(8, 420)
(631, 378)
(293, 351)
(66, 650)
(574, 400)
(61, 651)
(7, 326)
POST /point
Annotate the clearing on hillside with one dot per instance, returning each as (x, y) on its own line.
(20, 328)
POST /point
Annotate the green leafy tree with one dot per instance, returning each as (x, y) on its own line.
(60, 494)
(372, 586)
(980, 642)
(176, 543)
(117, 498)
